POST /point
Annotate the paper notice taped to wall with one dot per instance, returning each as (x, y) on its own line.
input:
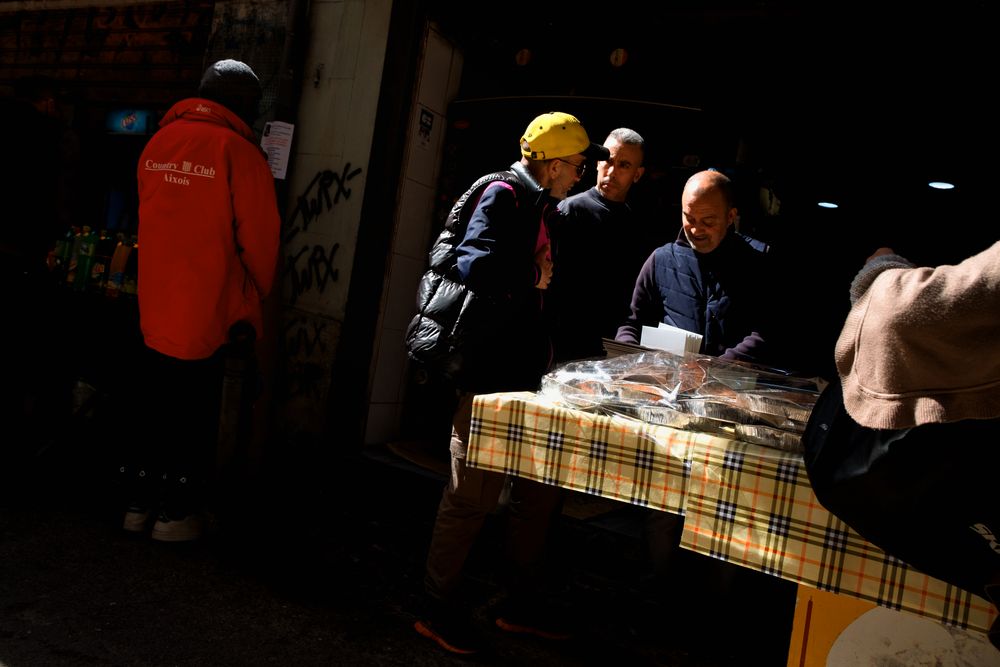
(277, 144)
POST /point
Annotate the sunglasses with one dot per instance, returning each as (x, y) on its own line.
(581, 168)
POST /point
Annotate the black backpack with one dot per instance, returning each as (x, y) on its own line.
(927, 495)
(448, 312)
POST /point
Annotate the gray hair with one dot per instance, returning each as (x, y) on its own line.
(629, 137)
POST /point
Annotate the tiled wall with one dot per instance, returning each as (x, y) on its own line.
(341, 82)
(439, 77)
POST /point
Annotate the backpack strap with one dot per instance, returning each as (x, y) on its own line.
(443, 252)
(459, 216)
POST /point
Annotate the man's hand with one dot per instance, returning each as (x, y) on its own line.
(880, 252)
(543, 260)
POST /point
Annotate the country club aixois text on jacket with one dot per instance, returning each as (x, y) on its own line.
(208, 230)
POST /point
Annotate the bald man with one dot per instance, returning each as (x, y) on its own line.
(709, 281)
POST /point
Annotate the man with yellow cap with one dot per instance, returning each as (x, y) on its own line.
(503, 256)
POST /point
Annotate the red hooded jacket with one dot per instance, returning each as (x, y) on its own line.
(208, 230)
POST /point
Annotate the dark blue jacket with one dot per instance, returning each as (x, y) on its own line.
(511, 347)
(600, 246)
(719, 295)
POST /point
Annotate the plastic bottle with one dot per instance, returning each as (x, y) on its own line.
(116, 273)
(85, 259)
(64, 248)
(74, 255)
(102, 260)
(54, 259)
(131, 268)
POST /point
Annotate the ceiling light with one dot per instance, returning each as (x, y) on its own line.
(827, 204)
(941, 185)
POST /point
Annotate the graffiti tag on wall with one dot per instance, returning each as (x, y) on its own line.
(311, 266)
(307, 348)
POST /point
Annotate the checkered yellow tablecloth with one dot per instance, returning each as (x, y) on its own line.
(742, 503)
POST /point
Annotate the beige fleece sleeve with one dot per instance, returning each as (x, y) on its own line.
(922, 345)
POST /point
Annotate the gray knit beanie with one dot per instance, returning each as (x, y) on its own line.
(235, 86)
(872, 269)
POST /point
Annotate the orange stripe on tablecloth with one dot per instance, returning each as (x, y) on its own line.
(662, 489)
(787, 558)
(492, 453)
(910, 594)
(529, 459)
(707, 507)
(616, 479)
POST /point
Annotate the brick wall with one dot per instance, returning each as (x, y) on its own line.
(143, 53)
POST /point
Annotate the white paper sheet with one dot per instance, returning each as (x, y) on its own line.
(670, 339)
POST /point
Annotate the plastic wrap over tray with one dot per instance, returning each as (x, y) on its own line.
(769, 437)
(694, 392)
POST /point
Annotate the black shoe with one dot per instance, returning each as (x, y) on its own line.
(140, 490)
(453, 635)
(537, 620)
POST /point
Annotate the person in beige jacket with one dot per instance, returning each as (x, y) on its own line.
(919, 366)
(922, 345)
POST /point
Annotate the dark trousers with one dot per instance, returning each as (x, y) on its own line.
(709, 579)
(175, 447)
(469, 497)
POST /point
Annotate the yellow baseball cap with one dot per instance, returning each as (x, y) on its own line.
(556, 134)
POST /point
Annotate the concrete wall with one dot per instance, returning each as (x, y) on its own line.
(440, 72)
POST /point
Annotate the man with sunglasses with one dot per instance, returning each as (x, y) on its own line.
(504, 258)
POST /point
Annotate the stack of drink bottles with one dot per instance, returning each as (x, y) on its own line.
(96, 261)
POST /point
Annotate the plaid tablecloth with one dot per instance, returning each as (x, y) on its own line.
(742, 503)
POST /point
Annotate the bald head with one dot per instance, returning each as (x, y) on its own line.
(706, 181)
(706, 209)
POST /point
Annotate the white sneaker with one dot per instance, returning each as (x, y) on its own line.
(136, 519)
(186, 529)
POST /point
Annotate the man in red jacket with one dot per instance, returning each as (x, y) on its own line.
(209, 233)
